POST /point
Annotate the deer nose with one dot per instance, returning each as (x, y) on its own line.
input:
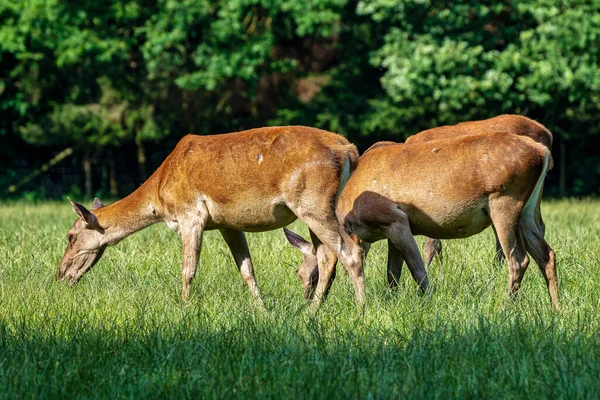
(72, 278)
(60, 274)
(309, 292)
(62, 270)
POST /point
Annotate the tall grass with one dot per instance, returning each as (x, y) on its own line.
(122, 331)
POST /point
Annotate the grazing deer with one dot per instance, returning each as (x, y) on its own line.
(448, 188)
(251, 181)
(509, 124)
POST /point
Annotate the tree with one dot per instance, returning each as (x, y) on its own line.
(445, 63)
(68, 75)
(94, 77)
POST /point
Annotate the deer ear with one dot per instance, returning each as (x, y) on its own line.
(298, 242)
(84, 214)
(97, 203)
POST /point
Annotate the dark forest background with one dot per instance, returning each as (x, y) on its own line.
(94, 94)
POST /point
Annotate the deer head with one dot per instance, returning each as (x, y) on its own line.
(308, 271)
(86, 244)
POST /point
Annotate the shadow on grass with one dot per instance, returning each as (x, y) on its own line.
(251, 357)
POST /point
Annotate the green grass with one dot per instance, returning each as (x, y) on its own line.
(122, 332)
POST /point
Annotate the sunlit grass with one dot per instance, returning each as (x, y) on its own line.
(122, 331)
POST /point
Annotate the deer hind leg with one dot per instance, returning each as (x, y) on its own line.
(543, 255)
(505, 214)
(236, 240)
(326, 260)
(400, 236)
(539, 221)
(432, 248)
(191, 236)
(394, 265)
(366, 247)
(315, 206)
(338, 245)
(499, 256)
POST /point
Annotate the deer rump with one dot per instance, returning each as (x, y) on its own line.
(443, 186)
(509, 124)
(452, 188)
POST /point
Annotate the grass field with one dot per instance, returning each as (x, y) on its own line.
(122, 331)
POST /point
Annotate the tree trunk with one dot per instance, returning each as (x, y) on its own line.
(44, 168)
(87, 170)
(112, 176)
(141, 158)
(562, 184)
(104, 177)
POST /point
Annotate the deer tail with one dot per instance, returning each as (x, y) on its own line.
(529, 210)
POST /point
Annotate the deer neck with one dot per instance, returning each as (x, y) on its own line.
(128, 215)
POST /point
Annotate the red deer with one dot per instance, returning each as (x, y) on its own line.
(444, 189)
(510, 124)
(250, 181)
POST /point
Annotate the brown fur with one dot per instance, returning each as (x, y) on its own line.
(450, 188)
(415, 176)
(380, 144)
(509, 124)
(250, 181)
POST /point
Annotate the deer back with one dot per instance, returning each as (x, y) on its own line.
(507, 123)
(437, 182)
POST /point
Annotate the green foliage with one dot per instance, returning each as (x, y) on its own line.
(559, 67)
(472, 60)
(103, 75)
(122, 331)
(75, 72)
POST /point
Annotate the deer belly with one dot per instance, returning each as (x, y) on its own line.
(450, 223)
(256, 216)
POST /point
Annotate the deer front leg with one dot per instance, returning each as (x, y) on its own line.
(191, 235)
(394, 265)
(400, 236)
(499, 256)
(236, 240)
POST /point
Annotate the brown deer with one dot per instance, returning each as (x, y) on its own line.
(448, 188)
(509, 124)
(250, 181)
